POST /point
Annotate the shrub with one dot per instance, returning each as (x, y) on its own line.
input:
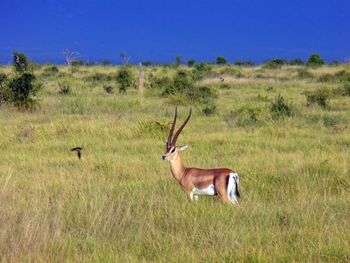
(181, 81)
(183, 89)
(105, 62)
(64, 88)
(203, 70)
(178, 61)
(151, 128)
(124, 79)
(326, 77)
(3, 79)
(231, 71)
(209, 109)
(51, 69)
(280, 108)
(275, 63)
(99, 77)
(315, 60)
(77, 63)
(244, 63)
(296, 61)
(156, 82)
(343, 76)
(247, 116)
(320, 97)
(21, 90)
(343, 90)
(20, 62)
(191, 62)
(221, 60)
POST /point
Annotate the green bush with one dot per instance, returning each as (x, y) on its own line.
(280, 108)
(124, 79)
(221, 60)
(244, 63)
(209, 109)
(20, 62)
(320, 97)
(155, 82)
(343, 76)
(191, 62)
(203, 70)
(247, 116)
(183, 89)
(22, 89)
(150, 128)
(296, 61)
(315, 60)
(275, 63)
(99, 77)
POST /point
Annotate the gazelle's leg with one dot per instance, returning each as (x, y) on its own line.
(190, 195)
(221, 189)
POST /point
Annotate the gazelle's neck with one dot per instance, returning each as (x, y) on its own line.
(177, 168)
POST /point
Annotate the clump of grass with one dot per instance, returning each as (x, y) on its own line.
(327, 77)
(319, 97)
(280, 108)
(343, 76)
(64, 88)
(209, 109)
(248, 116)
(303, 73)
(99, 77)
(150, 128)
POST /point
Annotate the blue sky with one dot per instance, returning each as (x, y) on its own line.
(158, 30)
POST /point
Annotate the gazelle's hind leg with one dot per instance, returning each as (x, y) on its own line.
(221, 189)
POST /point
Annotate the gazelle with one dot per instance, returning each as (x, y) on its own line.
(195, 181)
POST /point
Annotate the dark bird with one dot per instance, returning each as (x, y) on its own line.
(222, 79)
(78, 150)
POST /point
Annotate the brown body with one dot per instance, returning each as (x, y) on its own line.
(192, 179)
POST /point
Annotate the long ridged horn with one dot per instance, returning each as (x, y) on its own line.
(180, 129)
(172, 127)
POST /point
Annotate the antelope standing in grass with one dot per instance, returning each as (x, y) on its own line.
(195, 181)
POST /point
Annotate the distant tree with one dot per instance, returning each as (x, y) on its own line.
(275, 63)
(296, 61)
(191, 62)
(315, 60)
(80, 62)
(147, 63)
(105, 62)
(124, 58)
(178, 61)
(244, 63)
(221, 60)
(70, 56)
(20, 62)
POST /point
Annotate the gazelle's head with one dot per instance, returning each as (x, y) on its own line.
(171, 150)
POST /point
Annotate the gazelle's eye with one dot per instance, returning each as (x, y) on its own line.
(172, 150)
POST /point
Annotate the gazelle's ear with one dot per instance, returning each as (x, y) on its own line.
(182, 147)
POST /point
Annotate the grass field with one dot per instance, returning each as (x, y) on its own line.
(120, 203)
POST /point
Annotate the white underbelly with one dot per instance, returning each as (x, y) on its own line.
(210, 190)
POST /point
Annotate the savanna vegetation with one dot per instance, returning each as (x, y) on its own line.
(284, 128)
